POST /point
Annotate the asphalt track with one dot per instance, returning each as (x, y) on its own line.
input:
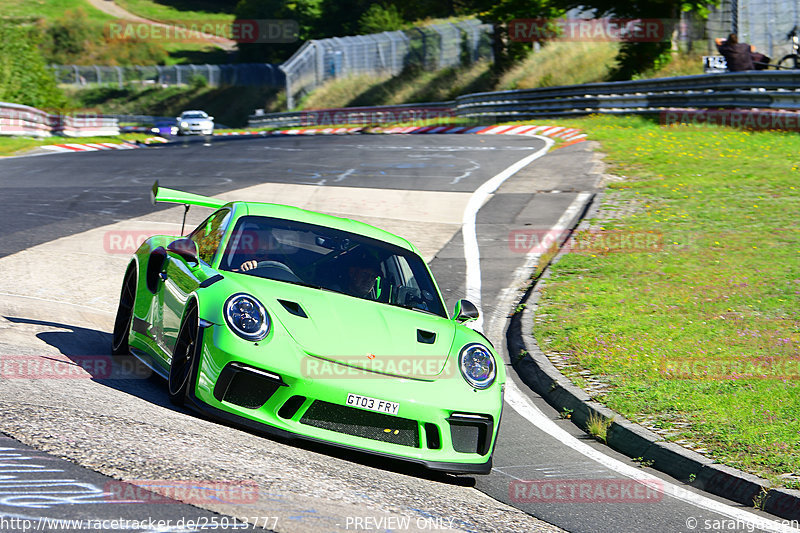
(46, 198)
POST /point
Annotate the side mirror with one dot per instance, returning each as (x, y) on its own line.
(184, 248)
(210, 118)
(465, 311)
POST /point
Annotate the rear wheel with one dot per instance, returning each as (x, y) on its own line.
(122, 324)
(791, 61)
(184, 357)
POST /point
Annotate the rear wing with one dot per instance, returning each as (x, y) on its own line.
(162, 194)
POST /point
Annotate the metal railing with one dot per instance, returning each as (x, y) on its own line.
(355, 115)
(743, 90)
(24, 120)
(258, 74)
(430, 47)
(772, 90)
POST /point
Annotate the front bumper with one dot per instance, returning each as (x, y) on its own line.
(271, 387)
(196, 129)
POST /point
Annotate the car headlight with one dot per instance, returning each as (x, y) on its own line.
(477, 365)
(247, 317)
(184, 124)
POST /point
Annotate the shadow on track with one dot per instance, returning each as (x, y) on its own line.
(90, 349)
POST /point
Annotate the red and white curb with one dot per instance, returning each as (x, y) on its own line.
(571, 135)
(88, 147)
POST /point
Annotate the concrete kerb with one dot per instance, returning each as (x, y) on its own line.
(633, 440)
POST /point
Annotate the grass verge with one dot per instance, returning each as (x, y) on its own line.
(697, 336)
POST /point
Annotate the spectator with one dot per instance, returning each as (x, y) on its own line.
(737, 55)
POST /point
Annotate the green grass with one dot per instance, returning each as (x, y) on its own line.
(179, 10)
(561, 63)
(722, 290)
(20, 145)
(182, 12)
(50, 9)
(412, 85)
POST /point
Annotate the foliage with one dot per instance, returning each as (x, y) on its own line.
(379, 19)
(24, 76)
(74, 38)
(499, 14)
(305, 12)
(637, 57)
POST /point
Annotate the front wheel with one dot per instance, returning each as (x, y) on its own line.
(791, 61)
(184, 357)
(122, 324)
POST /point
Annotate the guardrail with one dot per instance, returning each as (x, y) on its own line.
(739, 90)
(18, 119)
(771, 90)
(356, 115)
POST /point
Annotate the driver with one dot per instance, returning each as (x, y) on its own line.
(257, 247)
(360, 270)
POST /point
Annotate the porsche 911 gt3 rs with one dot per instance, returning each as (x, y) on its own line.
(301, 324)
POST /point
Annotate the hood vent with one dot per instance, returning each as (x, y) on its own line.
(426, 337)
(293, 308)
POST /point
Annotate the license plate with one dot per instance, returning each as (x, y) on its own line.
(373, 404)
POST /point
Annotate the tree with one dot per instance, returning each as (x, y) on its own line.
(499, 13)
(24, 76)
(305, 13)
(379, 18)
(637, 57)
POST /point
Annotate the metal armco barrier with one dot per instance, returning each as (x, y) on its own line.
(356, 115)
(23, 120)
(741, 90)
(28, 121)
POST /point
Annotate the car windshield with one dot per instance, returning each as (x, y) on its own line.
(330, 259)
(194, 115)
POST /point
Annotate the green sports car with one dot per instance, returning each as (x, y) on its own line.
(301, 324)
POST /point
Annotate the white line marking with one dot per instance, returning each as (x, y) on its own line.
(515, 398)
(471, 251)
(522, 405)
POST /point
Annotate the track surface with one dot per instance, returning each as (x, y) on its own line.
(127, 428)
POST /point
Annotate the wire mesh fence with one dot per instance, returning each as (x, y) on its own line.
(763, 23)
(430, 47)
(259, 74)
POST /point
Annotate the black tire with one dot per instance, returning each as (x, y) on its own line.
(122, 323)
(791, 61)
(184, 356)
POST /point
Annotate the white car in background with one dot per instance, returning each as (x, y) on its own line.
(195, 123)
